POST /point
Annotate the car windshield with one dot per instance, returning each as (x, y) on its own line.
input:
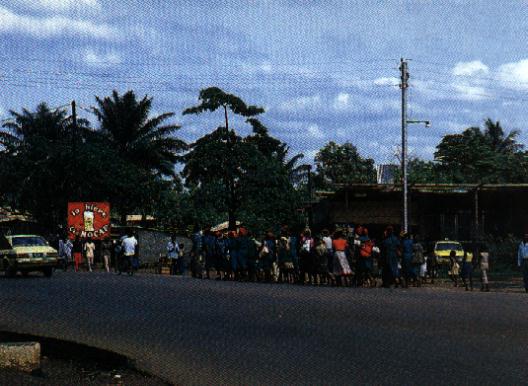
(28, 241)
(448, 247)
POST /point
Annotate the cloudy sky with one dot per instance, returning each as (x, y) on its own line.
(323, 70)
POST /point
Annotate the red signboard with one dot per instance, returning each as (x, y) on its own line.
(89, 220)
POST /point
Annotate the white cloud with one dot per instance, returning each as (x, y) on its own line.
(471, 93)
(45, 27)
(61, 5)
(391, 81)
(106, 59)
(302, 103)
(514, 75)
(470, 68)
(266, 67)
(315, 131)
(342, 101)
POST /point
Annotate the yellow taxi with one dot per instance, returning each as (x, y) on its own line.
(26, 253)
(443, 248)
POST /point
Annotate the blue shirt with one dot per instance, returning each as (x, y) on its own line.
(522, 253)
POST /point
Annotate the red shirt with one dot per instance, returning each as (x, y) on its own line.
(340, 244)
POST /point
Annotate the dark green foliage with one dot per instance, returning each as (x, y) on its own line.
(213, 98)
(242, 179)
(47, 161)
(342, 164)
(142, 140)
(477, 156)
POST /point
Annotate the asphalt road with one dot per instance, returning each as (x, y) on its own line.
(206, 332)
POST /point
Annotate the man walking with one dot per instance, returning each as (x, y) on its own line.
(522, 260)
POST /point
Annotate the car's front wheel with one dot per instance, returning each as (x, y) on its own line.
(48, 271)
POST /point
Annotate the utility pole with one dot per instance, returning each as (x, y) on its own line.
(74, 117)
(74, 149)
(310, 196)
(404, 85)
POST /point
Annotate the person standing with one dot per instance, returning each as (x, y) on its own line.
(284, 259)
(365, 265)
(407, 257)
(221, 256)
(68, 248)
(522, 260)
(209, 242)
(418, 261)
(130, 245)
(252, 259)
(342, 270)
(197, 253)
(233, 247)
(89, 253)
(77, 253)
(173, 254)
(243, 251)
(306, 256)
(329, 251)
(182, 262)
(293, 243)
(390, 271)
(467, 270)
(106, 251)
(454, 268)
(484, 268)
(62, 254)
(320, 262)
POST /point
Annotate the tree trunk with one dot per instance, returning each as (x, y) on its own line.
(229, 180)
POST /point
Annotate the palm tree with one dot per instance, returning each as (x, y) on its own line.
(44, 123)
(501, 143)
(141, 140)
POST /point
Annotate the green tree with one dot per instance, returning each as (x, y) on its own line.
(342, 164)
(38, 172)
(142, 140)
(224, 143)
(476, 156)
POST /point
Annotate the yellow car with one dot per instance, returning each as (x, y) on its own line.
(443, 248)
(26, 253)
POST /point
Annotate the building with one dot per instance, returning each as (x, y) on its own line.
(386, 174)
(458, 211)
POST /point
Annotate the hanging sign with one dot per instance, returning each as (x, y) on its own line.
(89, 220)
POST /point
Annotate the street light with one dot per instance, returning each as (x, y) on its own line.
(404, 170)
(427, 123)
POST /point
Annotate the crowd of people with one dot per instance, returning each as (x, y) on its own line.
(121, 254)
(344, 257)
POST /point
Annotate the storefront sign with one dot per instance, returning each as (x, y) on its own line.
(89, 220)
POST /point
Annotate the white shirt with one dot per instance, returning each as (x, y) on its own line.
(328, 242)
(129, 246)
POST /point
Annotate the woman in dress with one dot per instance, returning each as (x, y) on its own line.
(342, 269)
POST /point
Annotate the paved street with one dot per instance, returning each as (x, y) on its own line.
(207, 332)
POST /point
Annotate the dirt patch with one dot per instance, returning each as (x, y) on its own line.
(65, 363)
